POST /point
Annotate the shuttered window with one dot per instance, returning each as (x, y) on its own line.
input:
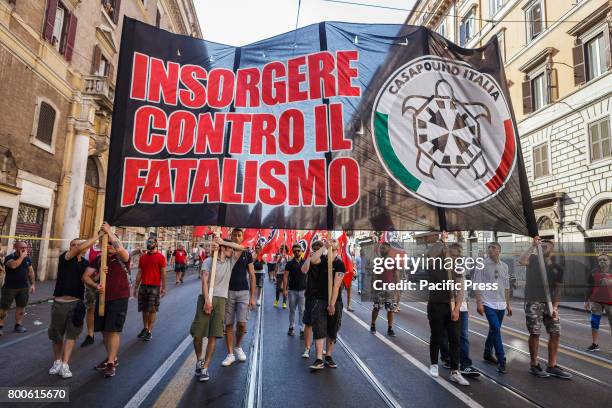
(594, 51)
(46, 123)
(599, 140)
(112, 8)
(540, 161)
(60, 28)
(534, 18)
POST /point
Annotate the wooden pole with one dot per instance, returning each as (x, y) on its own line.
(103, 255)
(330, 279)
(213, 272)
(545, 279)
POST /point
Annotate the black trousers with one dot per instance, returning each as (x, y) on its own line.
(439, 315)
(279, 287)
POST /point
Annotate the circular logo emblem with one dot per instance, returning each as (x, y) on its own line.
(443, 132)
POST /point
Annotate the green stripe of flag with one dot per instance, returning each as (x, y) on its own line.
(381, 130)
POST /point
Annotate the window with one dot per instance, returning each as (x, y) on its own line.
(599, 139)
(540, 161)
(60, 28)
(59, 32)
(501, 40)
(539, 92)
(594, 51)
(534, 18)
(46, 123)
(467, 28)
(442, 29)
(602, 216)
(495, 6)
(103, 66)
(111, 7)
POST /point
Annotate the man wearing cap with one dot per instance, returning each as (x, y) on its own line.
(150, 285)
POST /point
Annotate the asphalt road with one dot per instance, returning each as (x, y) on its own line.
(373, 370)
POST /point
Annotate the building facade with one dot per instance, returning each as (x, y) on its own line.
(57, 60)
(558, 64)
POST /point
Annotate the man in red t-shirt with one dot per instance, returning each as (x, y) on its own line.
(180, 263)
(116, 294)
(150, 285)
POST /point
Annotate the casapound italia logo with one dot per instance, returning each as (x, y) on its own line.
(443, 131)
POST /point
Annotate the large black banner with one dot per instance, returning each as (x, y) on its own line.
(333, 126)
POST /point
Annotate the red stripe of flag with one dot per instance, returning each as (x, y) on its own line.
(506, 161)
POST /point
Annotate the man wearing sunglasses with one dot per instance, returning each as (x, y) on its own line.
(294, 286)
(598, 297)
(494, 303)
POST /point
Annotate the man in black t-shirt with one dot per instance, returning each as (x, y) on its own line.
(294, 286)
(19, 273)
(536, 308)
(308, 269)
(68, 310)
(326, 314)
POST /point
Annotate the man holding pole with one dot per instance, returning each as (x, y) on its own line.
(537, 292)
(216, 273)
(327, 308)
(114, 292)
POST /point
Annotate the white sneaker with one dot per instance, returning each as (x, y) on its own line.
(229, 360)
(306, 353)
(433, 371)
(458, 378)
(57, 364)
(239, 354)
(259, 303)
(65, 372)
(199, 367)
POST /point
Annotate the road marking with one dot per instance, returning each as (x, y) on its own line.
(146, 389)
(175, 389)
(570, 351)
(380, 389)
(463, 397)
(253, 396)
(20, 339)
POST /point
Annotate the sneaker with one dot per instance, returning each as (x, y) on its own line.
(470, 372)
(390, 332)
(20, 329)
(204, 376)
(373, 328)
(490, 359)
(199, 367)
(290, 332)
(64, 371)
(141, 334)
(148, 336)
(433, 371)
(229, 360)
(301, 334)
(239, 354)
(57, 364)
(306, 353)
(557, 371)
(593, 347)
(458, 378)
(89, 340)
(538, 372)
(445, 363)
(502, 368)
(284, 305)
(109, 370)
(102, 365)
(317, 365)
(329, 361)
(350, 309)
(259, 303)
(276, 303)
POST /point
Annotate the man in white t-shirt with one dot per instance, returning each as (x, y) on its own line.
(493, 303)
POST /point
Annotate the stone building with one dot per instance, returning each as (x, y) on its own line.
(558, 64)
(57, 76)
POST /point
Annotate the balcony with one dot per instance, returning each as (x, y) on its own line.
(101, 89)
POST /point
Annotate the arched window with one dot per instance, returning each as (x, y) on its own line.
(602, 216)
(545, 223)
(91, 173)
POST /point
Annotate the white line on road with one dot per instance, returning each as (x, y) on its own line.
(463, 397)
(254, 376)
(146, 389)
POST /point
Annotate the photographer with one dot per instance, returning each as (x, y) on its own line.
(19, 273)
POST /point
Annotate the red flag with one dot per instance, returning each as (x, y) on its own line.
(272, 243)
(250, 237)
(343, 243)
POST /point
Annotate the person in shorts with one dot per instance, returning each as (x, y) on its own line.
(209, 315)
(309, 269)
(384, 297)
(598, 297)
(19, 283)
(150, 286)
(68, 310)
(258, 265)
(116, 294)
(240, 300)
(326, 313)
(91, 297)
(536, 308)
(180, 263)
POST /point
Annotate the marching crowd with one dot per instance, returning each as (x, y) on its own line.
(232, 278)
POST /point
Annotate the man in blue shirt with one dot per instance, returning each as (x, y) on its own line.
(19, 273)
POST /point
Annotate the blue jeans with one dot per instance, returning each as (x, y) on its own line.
(494, 340)
(464, 343)
(296, 299)
(359, 281)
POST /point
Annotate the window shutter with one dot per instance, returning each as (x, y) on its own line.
(49, 19)
(71, 32)
(116, 11)
(553, 85)
(462, 34)
(95, 62)
(607, 49)
(579, 68)
(527, 101)
(110, 69)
